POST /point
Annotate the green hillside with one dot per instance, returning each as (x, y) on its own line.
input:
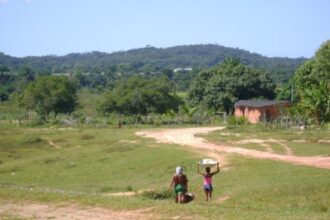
(153, 60)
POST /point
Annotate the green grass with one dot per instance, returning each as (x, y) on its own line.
(266, 190)
(90, 163)
(10, 112)
(73, 166)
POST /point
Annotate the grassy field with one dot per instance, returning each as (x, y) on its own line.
(9, 111)
(84, 166)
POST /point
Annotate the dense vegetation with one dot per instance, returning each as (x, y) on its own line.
(138, 96)
(126, 91)
(50, 94)
(151, 60)
(312, 81)
(220, 87)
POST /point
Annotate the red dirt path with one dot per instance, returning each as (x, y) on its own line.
(187, 137)
(68, 212)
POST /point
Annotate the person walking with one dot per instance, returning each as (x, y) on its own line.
(179, 184)
(207, 185)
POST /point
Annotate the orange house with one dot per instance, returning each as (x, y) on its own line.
(259, 110)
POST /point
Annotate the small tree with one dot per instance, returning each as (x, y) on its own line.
(6, 83)
(3, 69)
(50, 94)
(27, 73)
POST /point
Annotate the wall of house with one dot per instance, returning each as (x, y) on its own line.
(255, 115)
(273, 112)
(239, 112)
(251, 114)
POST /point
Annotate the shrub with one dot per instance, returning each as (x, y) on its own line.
(51, 160)
(106, 189)
(233, 121)
(30, 140)
(86, 137)
(129, 188)
(157, 195)
(36, 121)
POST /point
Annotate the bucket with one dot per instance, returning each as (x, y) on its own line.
(207, 163)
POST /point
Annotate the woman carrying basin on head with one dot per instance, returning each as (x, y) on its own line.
(208, 188)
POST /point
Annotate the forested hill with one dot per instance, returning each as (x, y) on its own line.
(150, 59)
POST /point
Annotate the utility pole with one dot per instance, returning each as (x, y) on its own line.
(291, 94)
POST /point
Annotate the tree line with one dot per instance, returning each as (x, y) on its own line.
(214, 89)
(152, 60)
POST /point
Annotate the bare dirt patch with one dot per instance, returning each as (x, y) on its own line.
(127, 141)
(285, 146)
(324, 141)
(261, 142)
(68, 212)
(53, 144)
(222, 199)
(299, 141)
(129, 193)
(186, 137)
(52, 129)
(268, 147)
(229, 134)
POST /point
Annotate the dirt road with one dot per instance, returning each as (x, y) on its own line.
(187, 137)
(68, 212)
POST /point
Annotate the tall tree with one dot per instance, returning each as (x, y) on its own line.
(27, 73)
(312, 81)
(7, 83)
(139, 96)
(228, 82)
(50, 94)
(3, 76)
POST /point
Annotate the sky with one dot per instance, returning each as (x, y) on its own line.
(285, 28)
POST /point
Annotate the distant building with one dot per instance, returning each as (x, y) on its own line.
(61, 74)
(177, 70)
(258, 110)
(180, 69)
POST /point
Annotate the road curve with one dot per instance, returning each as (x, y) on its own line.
(187, 137)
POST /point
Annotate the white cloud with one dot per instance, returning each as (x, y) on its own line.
(5, 1)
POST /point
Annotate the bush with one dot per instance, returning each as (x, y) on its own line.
(129, 188)
(52, 160)
(233, 121)
(157, 195)
(106, 189)
(86, 137)
(30, 140)
(35, 122)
